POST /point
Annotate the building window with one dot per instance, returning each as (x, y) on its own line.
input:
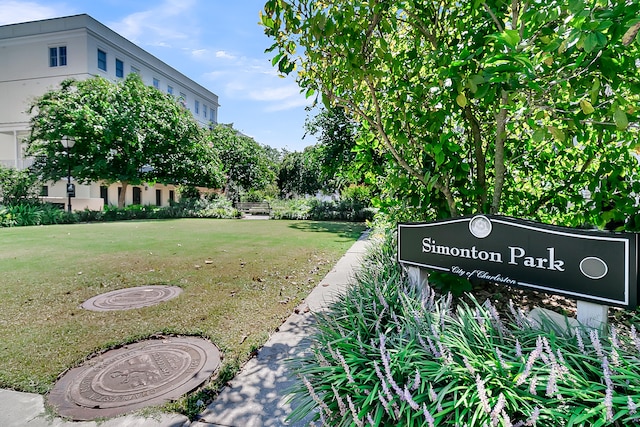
(137, 196)
(57, 56)
(134, 70)
(196, 107)
(212, 116)
(104, 194)
(102, 60)
(119, 68)
(183, 99)
(204, 110)
(156, 83)
(170, 90)
(158, 197)
(44, 191)
(172, 196)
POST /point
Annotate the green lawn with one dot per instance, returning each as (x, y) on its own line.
(259, 272)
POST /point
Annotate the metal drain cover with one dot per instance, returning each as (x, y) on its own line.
(128, 298)
(135, 376)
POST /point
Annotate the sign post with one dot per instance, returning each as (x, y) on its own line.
(418, 277)
(592, 315)
(599, 269)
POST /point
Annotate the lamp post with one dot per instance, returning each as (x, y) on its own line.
(68, 143)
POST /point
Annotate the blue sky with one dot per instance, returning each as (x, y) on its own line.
(217, 43)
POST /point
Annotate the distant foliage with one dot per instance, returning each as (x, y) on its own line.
(46, 214)
(322, 210)
(300, 174)
(247, 164)
(18, 186)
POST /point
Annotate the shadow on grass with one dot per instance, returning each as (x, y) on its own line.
(349, 230)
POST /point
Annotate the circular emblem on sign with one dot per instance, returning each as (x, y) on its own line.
(480, 226)
(137, 375)
(593, 267)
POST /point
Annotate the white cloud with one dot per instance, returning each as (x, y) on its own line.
(162, 25)
(225, 55)
(14, 11)
(199, 53)
(275, 93)
(289, 104)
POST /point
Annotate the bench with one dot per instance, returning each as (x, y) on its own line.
(253, 208)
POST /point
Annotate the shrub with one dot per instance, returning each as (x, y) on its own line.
(50, 214)
(216, 208)
(298, 209)
(18, 186)
(321, 210)
(384, 354)
(26, 214)
(6, 217)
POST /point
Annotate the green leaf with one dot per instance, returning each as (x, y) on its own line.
(590, 42)
(482, 91)
(557, 133)
(620, 119)
(595, 90)
(511, 37)
(276, 59)
(539, 135)
(461, 100)
(586, 107)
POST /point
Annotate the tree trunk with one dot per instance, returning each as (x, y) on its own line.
(122, 195)
(500, 168)
(481, 164)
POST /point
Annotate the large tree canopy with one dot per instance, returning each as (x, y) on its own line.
(245, 162)
(336, 150)
(124, 132)
(514, 107)
(300, 174)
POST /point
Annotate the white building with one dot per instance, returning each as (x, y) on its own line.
(36, 56)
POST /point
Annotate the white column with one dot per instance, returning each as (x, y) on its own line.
(17, 147)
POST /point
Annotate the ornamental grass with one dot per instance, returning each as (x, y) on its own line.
(386, 354)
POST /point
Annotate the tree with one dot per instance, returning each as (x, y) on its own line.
(335, 150)
(511, 107)
(245, 162)
(300, 173)
(124, 132)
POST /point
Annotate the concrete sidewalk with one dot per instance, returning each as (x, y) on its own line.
(256, 397)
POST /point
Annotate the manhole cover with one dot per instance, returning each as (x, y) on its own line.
(125, 299)
(137, 375)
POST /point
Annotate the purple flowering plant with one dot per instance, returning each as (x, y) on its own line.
(387, 354)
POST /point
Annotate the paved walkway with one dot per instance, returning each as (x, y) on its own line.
(256, 397)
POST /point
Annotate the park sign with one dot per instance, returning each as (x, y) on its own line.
(594, 266)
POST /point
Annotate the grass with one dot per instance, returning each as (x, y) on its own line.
(257, 273)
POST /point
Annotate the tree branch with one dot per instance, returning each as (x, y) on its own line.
(501, 136)
(480, 158)
(494, 17)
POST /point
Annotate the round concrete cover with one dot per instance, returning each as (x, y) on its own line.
(125, 299)
(135, 376)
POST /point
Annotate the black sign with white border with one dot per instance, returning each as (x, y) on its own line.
(595, 266)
